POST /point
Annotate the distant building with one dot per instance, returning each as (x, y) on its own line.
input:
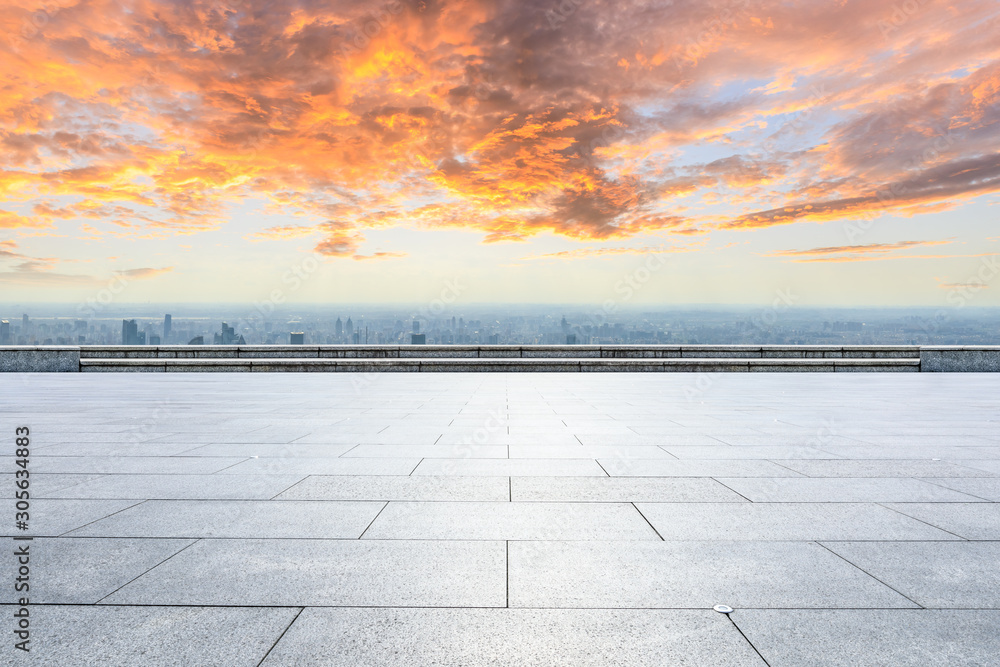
(418, 339)
(494, 339)
(167, 324)
(297, 337)
(4, 332)
(571, 339)
(130, 333)
(24, 323)
(416, 326)
(228, 336)
(356, 338)
(340, 328)
(197, 340)
(349, 330)
(154, 340)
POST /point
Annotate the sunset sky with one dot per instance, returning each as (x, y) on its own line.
(526, 151)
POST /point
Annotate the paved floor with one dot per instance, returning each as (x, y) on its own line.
(522, 519)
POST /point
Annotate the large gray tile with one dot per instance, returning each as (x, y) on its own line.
(45, 484)
(694, 468)
(689, 574)
(327, 573)
(238, 518)
(948, 436)
(750, 452)
(925, 453)
(111, 636)
(872, 637)
(986, 465)
(510, 521)
(261, 435)
(116, 449)
(207, 487)
(984, 488)
(842, 490)
(67, 570)
(324, 466)
(268, 450)
(510, 467)
(621, 489)
(882, 468)
(949, 575)
(135, 465)
(973, 521)
(468, 438)
(424, 487)
(511, 638)
(784, 521)
(52, 517)
(579, 451)
(430, 451)
(682, 439)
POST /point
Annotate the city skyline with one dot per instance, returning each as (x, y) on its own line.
(501, 152)
(781, 323)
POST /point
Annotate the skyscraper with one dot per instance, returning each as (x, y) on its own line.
(4, 332)
(416, 326)
(227, 336)
(350, 328)
(166, 327)
(340, 328)
(130, 332)
(24, 324)
(297, 337)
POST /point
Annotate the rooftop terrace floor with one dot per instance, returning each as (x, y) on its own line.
(507, 519)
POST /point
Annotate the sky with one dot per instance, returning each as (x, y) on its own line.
(580, 151)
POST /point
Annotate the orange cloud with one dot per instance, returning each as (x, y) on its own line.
(581, 253)
(379, 255)
(143, 273)
(868, 248)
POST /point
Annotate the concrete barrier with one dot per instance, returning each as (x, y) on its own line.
(48, 359)
(500, 351)
(507, 358)
(960, 359)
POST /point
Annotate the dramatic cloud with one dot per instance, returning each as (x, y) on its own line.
(868, 248)
(595, 121)
(867, 252)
